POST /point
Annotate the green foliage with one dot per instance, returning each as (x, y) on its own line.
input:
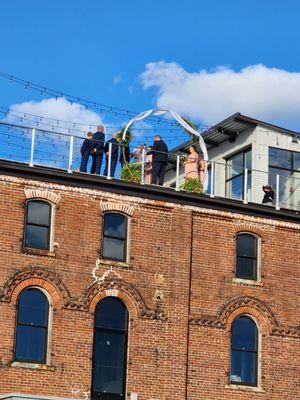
(132, 172)
(193, 185)
(128, 137)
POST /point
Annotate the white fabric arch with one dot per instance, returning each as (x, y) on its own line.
(182, 122)
(178, 118)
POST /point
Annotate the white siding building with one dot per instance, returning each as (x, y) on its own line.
(239, 144)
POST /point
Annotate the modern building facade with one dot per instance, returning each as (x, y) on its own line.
(113, 290)
(263, 151)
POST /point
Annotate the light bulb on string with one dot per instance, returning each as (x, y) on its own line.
(11, 80)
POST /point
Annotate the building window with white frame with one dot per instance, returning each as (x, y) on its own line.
(38, 220)
(114, 239)
(246, 256)
(31, 338)
(244, 352)
(235, 176)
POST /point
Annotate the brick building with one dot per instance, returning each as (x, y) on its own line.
(187, 296)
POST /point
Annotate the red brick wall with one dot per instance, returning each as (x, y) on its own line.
(169, 244)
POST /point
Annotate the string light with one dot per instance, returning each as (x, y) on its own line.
(71, 98)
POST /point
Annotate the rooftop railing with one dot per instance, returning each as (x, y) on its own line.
(59, 150)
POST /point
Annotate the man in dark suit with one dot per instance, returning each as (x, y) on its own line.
(97, 149)
(124, 155)
(114, 155)
(159, 160)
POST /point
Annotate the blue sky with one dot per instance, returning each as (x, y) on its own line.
(101, 49)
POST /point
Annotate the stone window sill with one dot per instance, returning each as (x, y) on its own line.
(248, 282)
(256, 389)
(45, 367)
(38, 252)
(112, 263)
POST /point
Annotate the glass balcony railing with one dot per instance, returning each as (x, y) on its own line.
(38, 147)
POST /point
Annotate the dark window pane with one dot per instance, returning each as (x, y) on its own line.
(248, 159)
(235, 188)
(30, 343)
(243, 367)
(244, 334)
(280, 158)
(111, 313)
(296, 156)
(246, 268)
(113, 248)
(109, 362)
(37, 237)
(115, 225)
(33, 308)
(246, 245)
(38, 213)
(235, 165)
(110, 348)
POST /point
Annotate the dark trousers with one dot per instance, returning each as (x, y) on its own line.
(84, 161)
(97, 162)
(113, 166)
(158, 172)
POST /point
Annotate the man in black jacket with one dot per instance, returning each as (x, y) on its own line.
(114, 155)
(86, 151)
(97, 149)
(159, 160)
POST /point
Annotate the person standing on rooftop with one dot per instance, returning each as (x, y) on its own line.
(97, 150)
(159, 160)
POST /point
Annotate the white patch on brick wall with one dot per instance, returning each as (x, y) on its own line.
(108, 273)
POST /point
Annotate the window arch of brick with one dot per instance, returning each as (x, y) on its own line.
(250, 306)
(47, 287)
(128, 299)
(39, 194)
(110, 206)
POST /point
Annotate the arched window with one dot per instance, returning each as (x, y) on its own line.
(32, 326)
(38, 225)
(110, 349)
(114, 242)
(246, 261)
(244, 345)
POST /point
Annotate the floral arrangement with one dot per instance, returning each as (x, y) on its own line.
(128, 137)
(193, 185)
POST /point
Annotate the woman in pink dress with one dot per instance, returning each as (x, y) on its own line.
(191, 164)
(148, 167)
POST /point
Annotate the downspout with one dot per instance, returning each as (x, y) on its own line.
(189, 309)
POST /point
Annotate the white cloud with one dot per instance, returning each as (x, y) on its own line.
(60, 109)
(117, 79)
(270, 94)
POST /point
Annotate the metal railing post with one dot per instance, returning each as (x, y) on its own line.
(177, 173)
(143, 167)
(32, 147)
(109, 160)
(71, 154)
(245, 191)
(212, 179)
(277, 206)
